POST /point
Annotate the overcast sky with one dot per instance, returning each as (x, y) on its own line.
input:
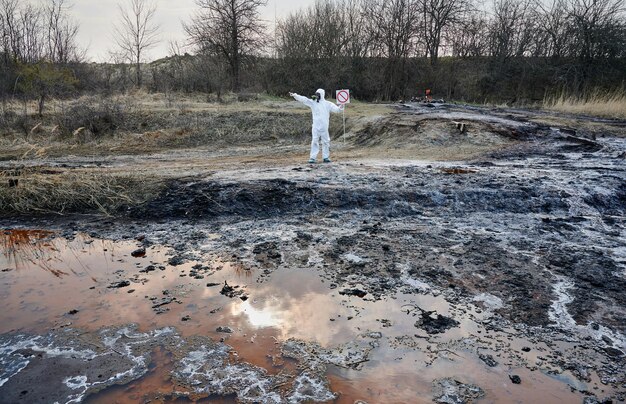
(96, 18)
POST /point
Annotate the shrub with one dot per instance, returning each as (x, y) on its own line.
(100, 119)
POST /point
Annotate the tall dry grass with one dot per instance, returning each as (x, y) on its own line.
(604, 104)
(33, 190)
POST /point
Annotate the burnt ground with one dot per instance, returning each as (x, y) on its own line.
(532, 228)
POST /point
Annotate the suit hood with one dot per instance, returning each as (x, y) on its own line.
(322, 93)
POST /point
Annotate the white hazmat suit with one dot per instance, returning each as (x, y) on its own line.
(321, 110)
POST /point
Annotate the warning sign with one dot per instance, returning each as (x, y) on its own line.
(343, 97)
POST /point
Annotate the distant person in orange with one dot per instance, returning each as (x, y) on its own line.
(429, 96)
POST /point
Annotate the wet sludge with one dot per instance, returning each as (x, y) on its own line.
(390, 282)
(345, 342)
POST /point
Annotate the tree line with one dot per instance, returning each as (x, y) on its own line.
(503, 50)
(37, 46)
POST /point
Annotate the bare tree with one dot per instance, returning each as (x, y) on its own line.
(10, 30)
(231, 29)
(598, 28)
(320, 32)
(61, 34)
(437, 16)
(394, 26)
(358, 39)
(294, 37)
(328, 29)
(31, 34)
(137, 33)
(512, 29)
(35, 43)
(22, 33)
(555, 27)
(468, 37)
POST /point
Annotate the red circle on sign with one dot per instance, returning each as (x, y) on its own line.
(343, 96)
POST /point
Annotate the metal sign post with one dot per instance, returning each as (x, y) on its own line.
(343, 98)
(343, 113)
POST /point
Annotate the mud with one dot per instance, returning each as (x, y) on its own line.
(500, 277)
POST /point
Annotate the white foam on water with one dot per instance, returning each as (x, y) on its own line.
(348, 355)
(17, 369)
(423, 287)
(558, 310)
(208, 371)
(620, 255)
(10, 365)
(308, 388)
(76, 382)
(563, 319)
(314, 258)
(417, 284)
(49, 349)
(35, 343)
(492, 302)
(353, 258)
(196, 360)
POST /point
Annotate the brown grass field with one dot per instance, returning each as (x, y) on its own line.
(608, 105)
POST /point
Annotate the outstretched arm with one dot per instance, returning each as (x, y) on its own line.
(306, 101)
(334, 108)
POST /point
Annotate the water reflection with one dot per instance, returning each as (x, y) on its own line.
(290, 303)
(23, 248)
(298, 304)
(41, 249)
(264, 317)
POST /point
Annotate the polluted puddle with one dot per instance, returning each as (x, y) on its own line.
(103, 321)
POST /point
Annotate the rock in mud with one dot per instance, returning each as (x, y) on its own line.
(353, 292)
(233, 291)
(117, 285)
(515, 379)
(450, 391)
(176, 261)
(595, 400)
(162, 302)
(149, 268)
(375, 335)
(613, 352)
(138, 253)
(224, 329)
(579, 370)
(489, 360)
(267, 252)
(434, 323)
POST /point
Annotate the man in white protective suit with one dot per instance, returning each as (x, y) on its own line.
(321, 110)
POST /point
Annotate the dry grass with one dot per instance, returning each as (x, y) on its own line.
(182, 103)
(610, 105)
(156, 122)
(36, 190)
